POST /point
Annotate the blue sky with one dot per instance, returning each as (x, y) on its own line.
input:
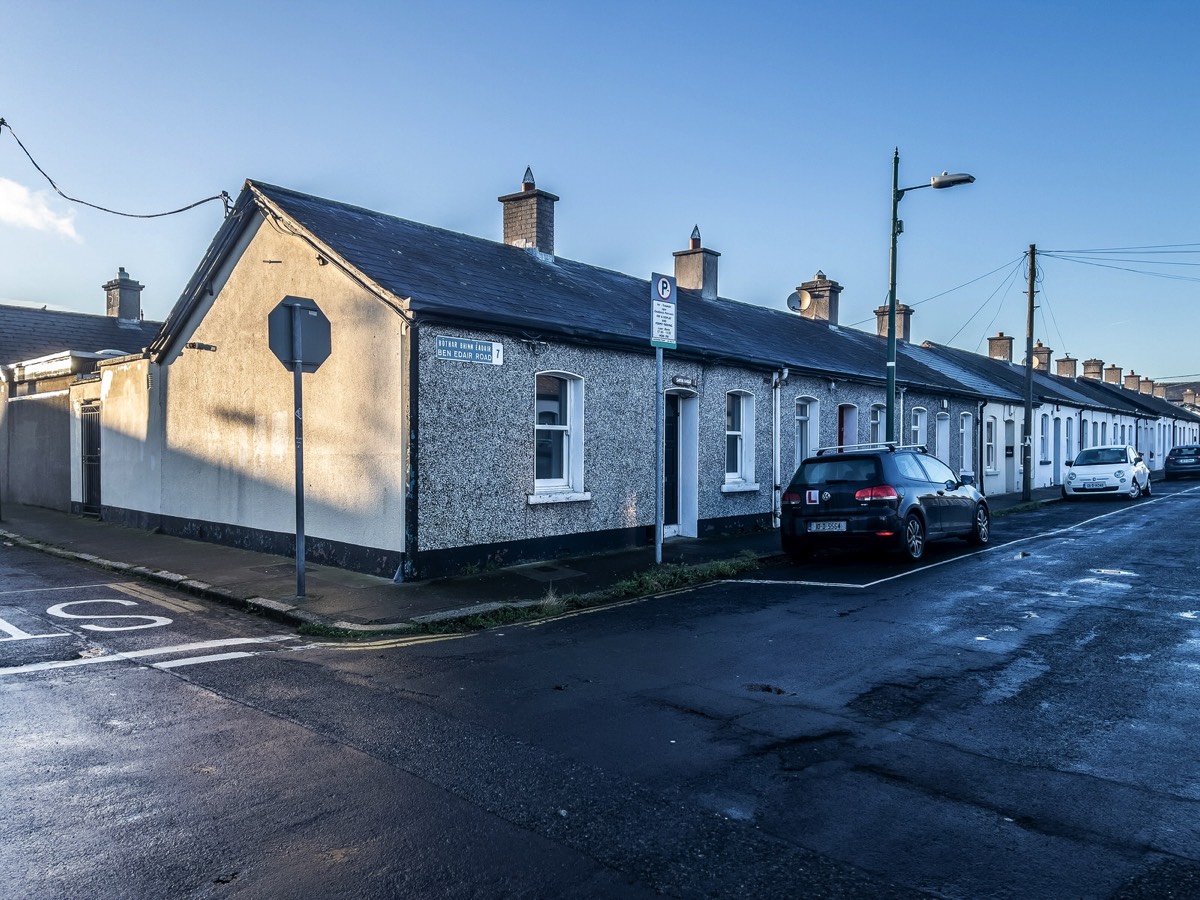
(771, 125)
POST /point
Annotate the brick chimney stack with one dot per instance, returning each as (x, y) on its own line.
(696, 267)
(1112, 374)
(1093, 368)
(1132, 381)
(1066, 366)
(1189, 396)
(903, 321)
(1000, 346)
(1160, 391)
(1147, 386)
(529, 216)
(1041, 357)
(123, 298)
(817, 299)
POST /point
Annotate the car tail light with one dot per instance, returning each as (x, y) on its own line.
(879, 492)
(789, 497)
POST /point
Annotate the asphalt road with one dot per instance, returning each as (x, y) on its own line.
(1017, 722)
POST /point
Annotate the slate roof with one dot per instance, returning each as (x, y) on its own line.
(1010, 378)
(455, 278)
(28, 333)
(1145, 403)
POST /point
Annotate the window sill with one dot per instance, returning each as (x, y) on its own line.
(738, 487)
(557, 497)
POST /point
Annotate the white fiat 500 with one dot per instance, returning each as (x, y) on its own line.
(1107, 470)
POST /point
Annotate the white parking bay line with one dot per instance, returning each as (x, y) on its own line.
(141, 654)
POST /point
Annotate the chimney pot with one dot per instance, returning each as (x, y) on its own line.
(123, 300)
(823, 299)
(529, 216)
(1041, 357)
(696, 267)
(1000, 347)
(903, 321)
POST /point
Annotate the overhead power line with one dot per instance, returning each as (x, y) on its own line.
(1104, 265)
(224, 197)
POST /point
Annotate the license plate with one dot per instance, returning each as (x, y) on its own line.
(1092, 485)
(826, 526)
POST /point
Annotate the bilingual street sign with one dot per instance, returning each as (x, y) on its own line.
(466, 350)
(662, 311)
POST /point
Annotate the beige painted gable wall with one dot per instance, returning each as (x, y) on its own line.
(228, 451)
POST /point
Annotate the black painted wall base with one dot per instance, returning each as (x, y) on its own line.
(428, 564)
(368, 560)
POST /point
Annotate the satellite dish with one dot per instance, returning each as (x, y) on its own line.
(799, 300)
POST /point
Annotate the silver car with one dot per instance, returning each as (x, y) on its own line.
(1116, 469)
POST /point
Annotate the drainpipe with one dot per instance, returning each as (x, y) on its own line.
(408, 568)
(777, 489)
(980, 450)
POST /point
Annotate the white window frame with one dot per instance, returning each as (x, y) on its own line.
(1044, 437)
(919, 431)
(966, 443)
(569, 487)
(877, 424)
(989, 444)
(743, 478)
(808, 428)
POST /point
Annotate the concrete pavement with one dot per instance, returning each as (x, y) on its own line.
(336, 598)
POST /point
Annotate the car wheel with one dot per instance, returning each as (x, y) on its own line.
(1135, 489)
(912, 538)
(981, 528)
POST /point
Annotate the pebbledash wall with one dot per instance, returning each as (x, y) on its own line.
(476, 452)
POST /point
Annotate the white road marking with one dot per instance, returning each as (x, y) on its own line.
(141, 654)
(197, 660)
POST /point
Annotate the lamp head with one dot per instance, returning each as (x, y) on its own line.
(946, 180)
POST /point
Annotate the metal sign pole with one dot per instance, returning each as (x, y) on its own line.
(298, 393)
(662, 334)
(659, 454)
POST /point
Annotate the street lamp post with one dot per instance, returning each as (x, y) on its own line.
(945, 180)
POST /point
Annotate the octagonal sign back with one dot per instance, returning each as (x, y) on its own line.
(315, 341)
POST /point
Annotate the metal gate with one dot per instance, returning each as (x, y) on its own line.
(90, 433)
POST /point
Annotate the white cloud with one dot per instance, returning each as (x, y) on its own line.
(24, 208)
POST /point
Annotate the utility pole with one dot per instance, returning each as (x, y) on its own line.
(1027, 453)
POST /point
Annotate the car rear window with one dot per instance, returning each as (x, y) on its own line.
(1180, 452)
(838, 471)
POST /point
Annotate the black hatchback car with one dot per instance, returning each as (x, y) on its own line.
(886, 495)
(1182, 462)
